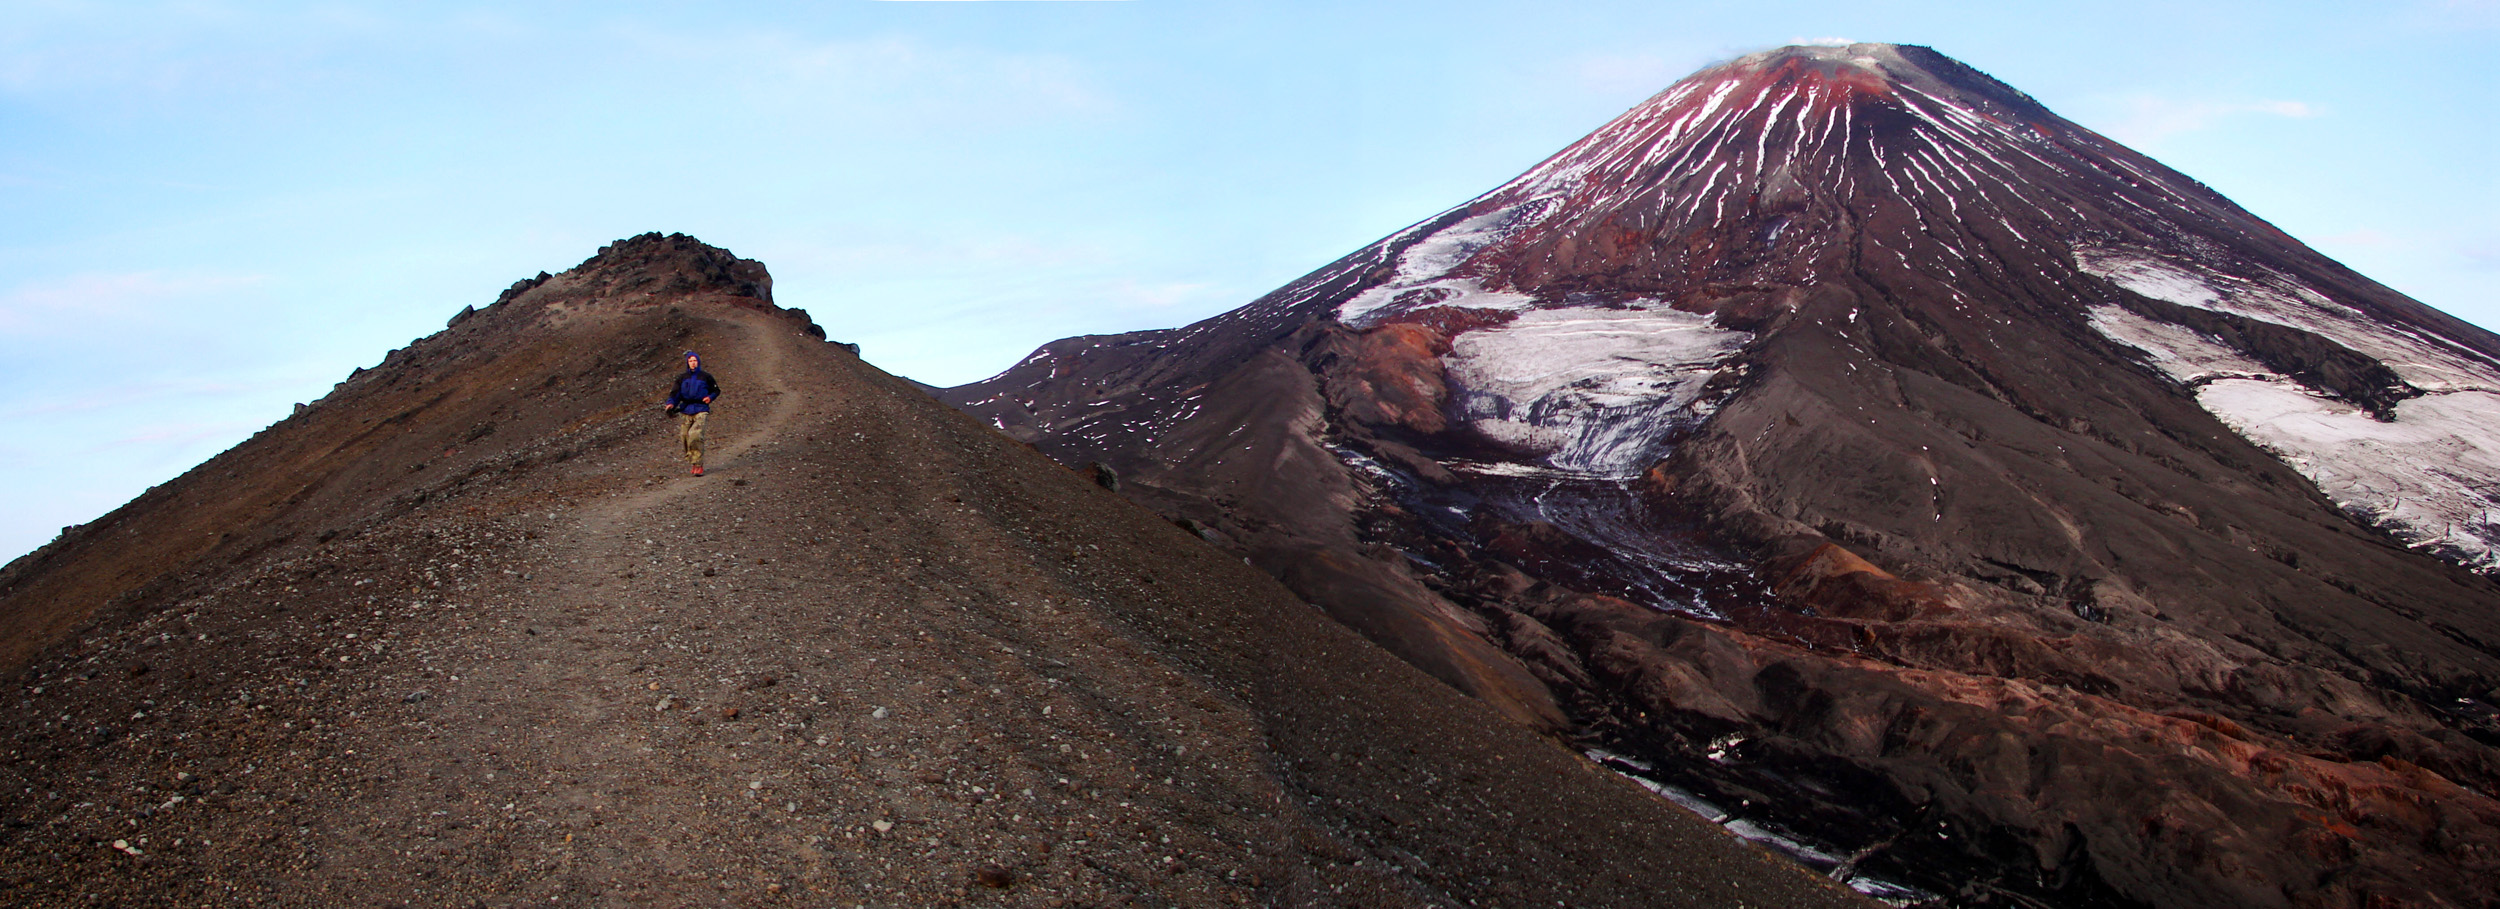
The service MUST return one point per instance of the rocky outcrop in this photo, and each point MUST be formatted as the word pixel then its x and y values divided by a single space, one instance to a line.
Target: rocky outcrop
pixel 651 266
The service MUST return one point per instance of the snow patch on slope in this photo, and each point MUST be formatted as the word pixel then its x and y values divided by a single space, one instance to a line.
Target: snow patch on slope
pixel 2425 361
pixel 1424 270
pixel 1595 391
pixel 2187 355
pixel 2430 477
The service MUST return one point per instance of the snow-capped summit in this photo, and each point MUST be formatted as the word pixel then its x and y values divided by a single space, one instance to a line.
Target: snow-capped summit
pixel 1807 165
pixel 1745 171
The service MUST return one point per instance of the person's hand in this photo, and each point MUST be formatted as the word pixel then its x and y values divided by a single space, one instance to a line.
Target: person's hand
pixel 707 400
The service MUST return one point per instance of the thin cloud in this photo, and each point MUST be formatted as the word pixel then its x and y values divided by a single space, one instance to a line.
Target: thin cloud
pixel 179 435
pixel 185 391
pixel 2481 255
pixel 54 305
pixel 894 75
pixel 2475 14
pixel 1159 295
pixel 167 50
pixel 2149 119
pixel 182 53
pixel 1624 73
pixel 2362 237
pixel 921 255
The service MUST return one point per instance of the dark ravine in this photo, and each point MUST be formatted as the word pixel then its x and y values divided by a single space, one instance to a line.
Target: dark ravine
pixel 464 633
pixel 1870 451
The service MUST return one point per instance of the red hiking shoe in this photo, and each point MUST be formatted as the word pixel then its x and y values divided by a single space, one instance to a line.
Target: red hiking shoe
pixel 698 470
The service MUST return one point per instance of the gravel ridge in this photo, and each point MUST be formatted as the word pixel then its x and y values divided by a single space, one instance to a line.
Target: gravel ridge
pixel 880 656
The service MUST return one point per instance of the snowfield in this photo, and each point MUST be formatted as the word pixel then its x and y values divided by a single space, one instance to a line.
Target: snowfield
pixel 1595 390
pixel 2428 363
pixel 2430 477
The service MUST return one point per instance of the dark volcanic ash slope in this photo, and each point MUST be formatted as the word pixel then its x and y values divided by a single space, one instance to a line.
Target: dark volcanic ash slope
pixel 1846 436
pixel 463 633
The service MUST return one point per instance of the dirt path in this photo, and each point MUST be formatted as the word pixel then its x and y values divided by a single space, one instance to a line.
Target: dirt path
pixel 582 736
pixel 775 682
pixel 732 432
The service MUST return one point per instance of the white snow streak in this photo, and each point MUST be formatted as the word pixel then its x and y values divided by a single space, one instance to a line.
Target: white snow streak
pixel 2427 362
pixel 1423 275
pixel 2183 353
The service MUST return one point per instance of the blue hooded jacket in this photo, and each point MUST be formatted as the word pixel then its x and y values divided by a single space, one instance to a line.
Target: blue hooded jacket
pixel 692 387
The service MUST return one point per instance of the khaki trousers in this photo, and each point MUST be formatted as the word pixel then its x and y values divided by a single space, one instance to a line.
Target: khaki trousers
pixel 690 432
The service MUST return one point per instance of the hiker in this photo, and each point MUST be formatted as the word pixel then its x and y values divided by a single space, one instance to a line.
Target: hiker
pixel 691 400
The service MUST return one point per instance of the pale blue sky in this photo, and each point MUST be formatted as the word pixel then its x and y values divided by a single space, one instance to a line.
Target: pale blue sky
pixel 210 211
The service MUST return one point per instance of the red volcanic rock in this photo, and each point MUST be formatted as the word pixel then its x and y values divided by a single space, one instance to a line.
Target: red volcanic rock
pixel 1396 379
pixel 1449 321
pixel 1834 581
pixel 1391 376
pixel 2192 802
